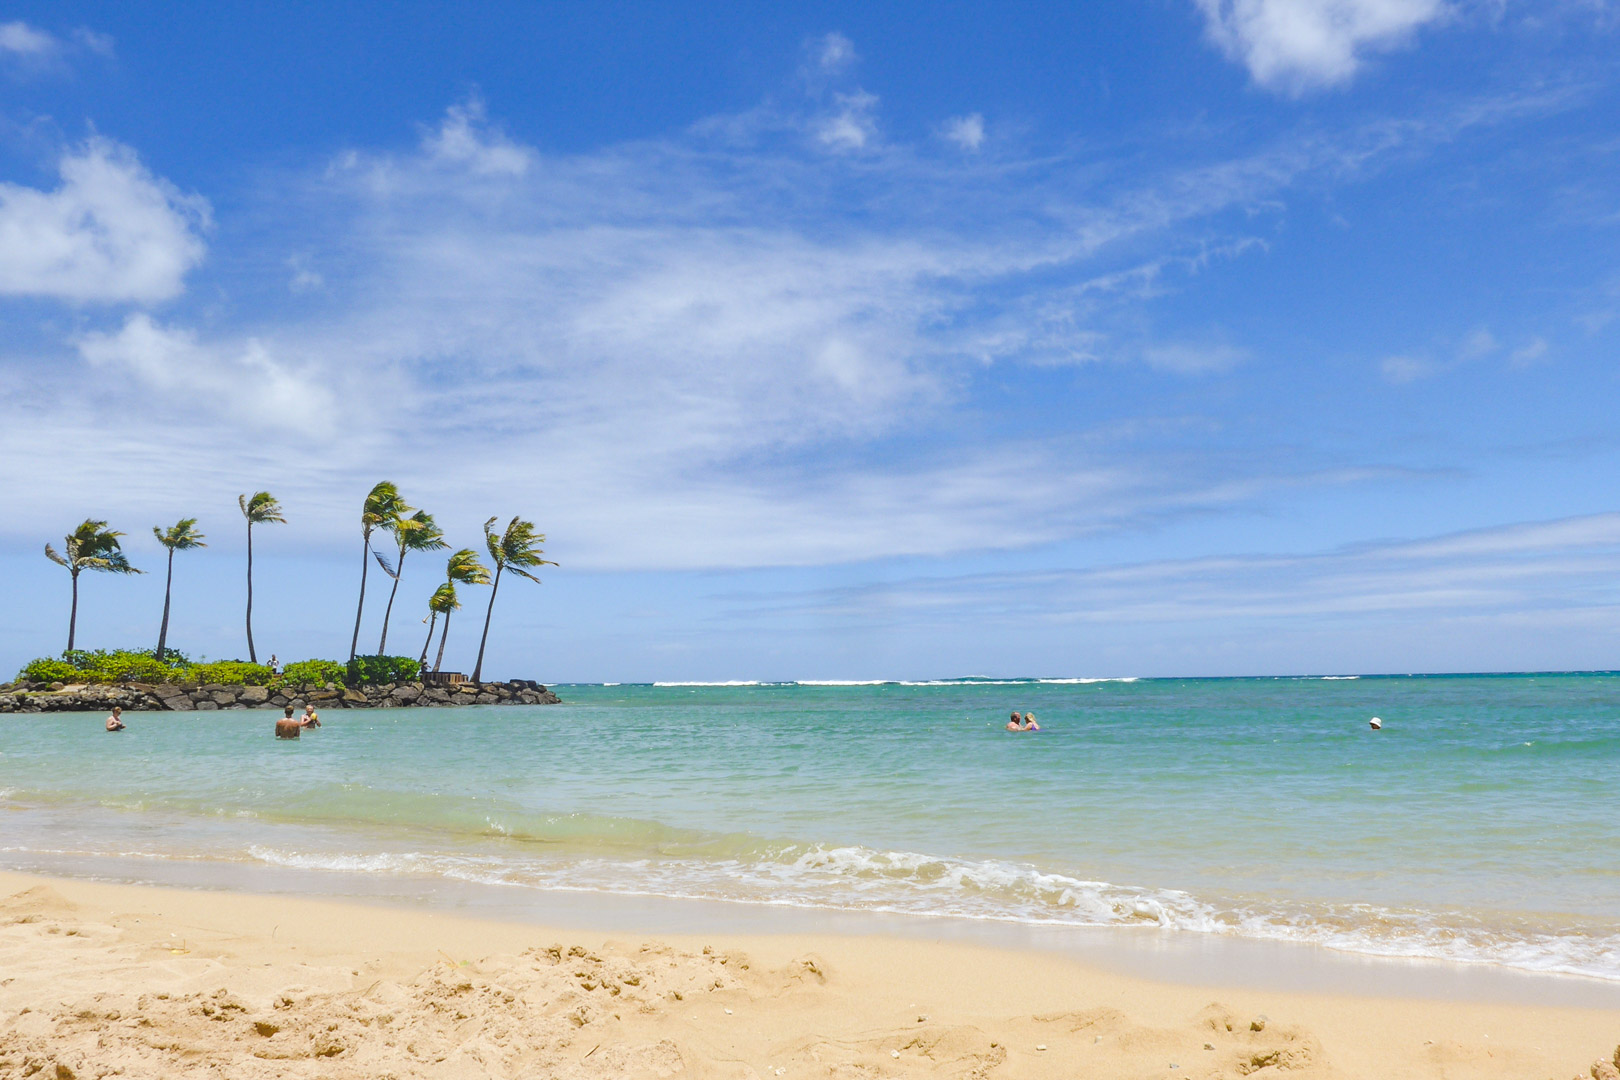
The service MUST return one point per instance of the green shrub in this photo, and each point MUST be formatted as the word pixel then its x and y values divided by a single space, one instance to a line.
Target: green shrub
pixel 382 669
pixel 47 670
pixel 314 672
pixel 230 673
pixel 125 665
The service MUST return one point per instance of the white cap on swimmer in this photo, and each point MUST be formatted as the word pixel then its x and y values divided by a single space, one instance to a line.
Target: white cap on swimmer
pixel 1376 724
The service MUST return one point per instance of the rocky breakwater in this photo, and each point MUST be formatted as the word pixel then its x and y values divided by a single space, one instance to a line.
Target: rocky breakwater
pixel 30 697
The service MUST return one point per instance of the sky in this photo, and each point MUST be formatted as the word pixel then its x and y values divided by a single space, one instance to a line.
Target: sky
pixel 827 341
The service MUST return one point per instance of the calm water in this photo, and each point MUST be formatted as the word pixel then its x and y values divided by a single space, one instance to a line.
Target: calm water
pixel 1482 824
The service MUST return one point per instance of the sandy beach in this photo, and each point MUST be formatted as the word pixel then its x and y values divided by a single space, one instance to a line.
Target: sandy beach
pixel 102 980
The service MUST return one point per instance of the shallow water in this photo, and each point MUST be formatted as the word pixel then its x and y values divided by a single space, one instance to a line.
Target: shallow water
pixel 1482 824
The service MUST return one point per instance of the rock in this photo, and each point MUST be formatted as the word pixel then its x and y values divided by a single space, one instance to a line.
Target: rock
pixel 180 704
pixel 351 696
pixel 254 695
pixel 206 706
pixel 223 697
pixel 1604 1070
pixel 486 699
pixel 278 700
pixel 406 693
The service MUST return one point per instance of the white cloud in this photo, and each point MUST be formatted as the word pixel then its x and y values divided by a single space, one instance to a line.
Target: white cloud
pixel 1185 359
pixel 1529 354
pixel 1296 45
pixel 851 125
pixel 966 132
pixel 691 352
pixel 111 232
pixel 465 139
pixel 28 50
pixel 833 53
pixel 246 378
pixel 1405 369
pixel 1522 573
pixel 20 39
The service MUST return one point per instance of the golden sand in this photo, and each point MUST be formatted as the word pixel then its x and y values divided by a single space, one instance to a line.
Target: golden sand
pixel 104 980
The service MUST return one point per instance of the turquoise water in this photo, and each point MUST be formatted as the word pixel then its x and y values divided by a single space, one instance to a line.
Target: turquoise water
pixel 1481 825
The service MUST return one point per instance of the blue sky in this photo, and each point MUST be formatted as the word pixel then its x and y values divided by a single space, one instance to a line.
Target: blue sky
pixel 830 341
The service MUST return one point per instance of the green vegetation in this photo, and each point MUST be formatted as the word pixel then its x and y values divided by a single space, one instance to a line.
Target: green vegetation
pixel 415 533
pixel 382 669
pixel 313 672
pixel 516 549
pixel 132 665
pixel 92 546
pixel 181 536
pixel 463 568
pixel 382 509
pixel 261 509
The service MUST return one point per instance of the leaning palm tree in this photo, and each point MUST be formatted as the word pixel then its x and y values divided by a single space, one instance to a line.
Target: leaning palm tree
pixel 259 509
pixel 92 546
pixel 415 533
pixel 463 568
pixel 442 602
pixel 518 547
pixel 383 507
pixel 181 536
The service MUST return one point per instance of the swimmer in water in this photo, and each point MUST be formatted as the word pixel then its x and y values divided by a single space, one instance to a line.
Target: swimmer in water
pixel 287 727
pixel 115 722
pixel 1016 723
pixel 1376 724
pixel 1029 722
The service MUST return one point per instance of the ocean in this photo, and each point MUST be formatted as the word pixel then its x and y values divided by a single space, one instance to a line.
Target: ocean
pixel 1481 825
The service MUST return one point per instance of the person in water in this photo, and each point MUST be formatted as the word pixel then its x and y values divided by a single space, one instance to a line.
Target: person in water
pixel 1029 723
pixel 1016 723
pixel 311 718
pixel 115 722
pixel 287 727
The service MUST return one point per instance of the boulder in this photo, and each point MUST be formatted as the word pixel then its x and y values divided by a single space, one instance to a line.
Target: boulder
pixel 351 696
pixel 486 699
pixel 254 695
pixel 206 706
pixel 406 694
pixel 223 697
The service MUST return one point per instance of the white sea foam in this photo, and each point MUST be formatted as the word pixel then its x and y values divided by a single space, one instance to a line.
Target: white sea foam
pixel 730 682
pixel 910 883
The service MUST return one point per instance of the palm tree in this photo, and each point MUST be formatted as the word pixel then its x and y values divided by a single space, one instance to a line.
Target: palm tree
pixel 260 509
pixel 518 547
pixel 442 602
pixel 383 507
pixel 415 533
pixel 92 546
pixel 463 568
pixel 180 536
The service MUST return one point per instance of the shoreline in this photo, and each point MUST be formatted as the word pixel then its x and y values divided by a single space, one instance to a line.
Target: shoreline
pixel 89 962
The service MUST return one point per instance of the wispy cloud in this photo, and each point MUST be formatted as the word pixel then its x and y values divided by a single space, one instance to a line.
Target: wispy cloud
pixel 1517 572
pixel 722 348
pixel 29 50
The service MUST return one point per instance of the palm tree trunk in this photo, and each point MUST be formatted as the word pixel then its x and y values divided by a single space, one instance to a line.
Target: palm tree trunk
pixel 478 668
pixel 365 564
pixel 399 568
pixel 73 614
pixel 253 657
pixel 438 660
pixel 433 621
pixel 168 584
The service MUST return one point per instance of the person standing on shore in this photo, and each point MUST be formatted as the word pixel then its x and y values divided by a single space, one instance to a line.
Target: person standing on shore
pixel 115 722
pixel 275 666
